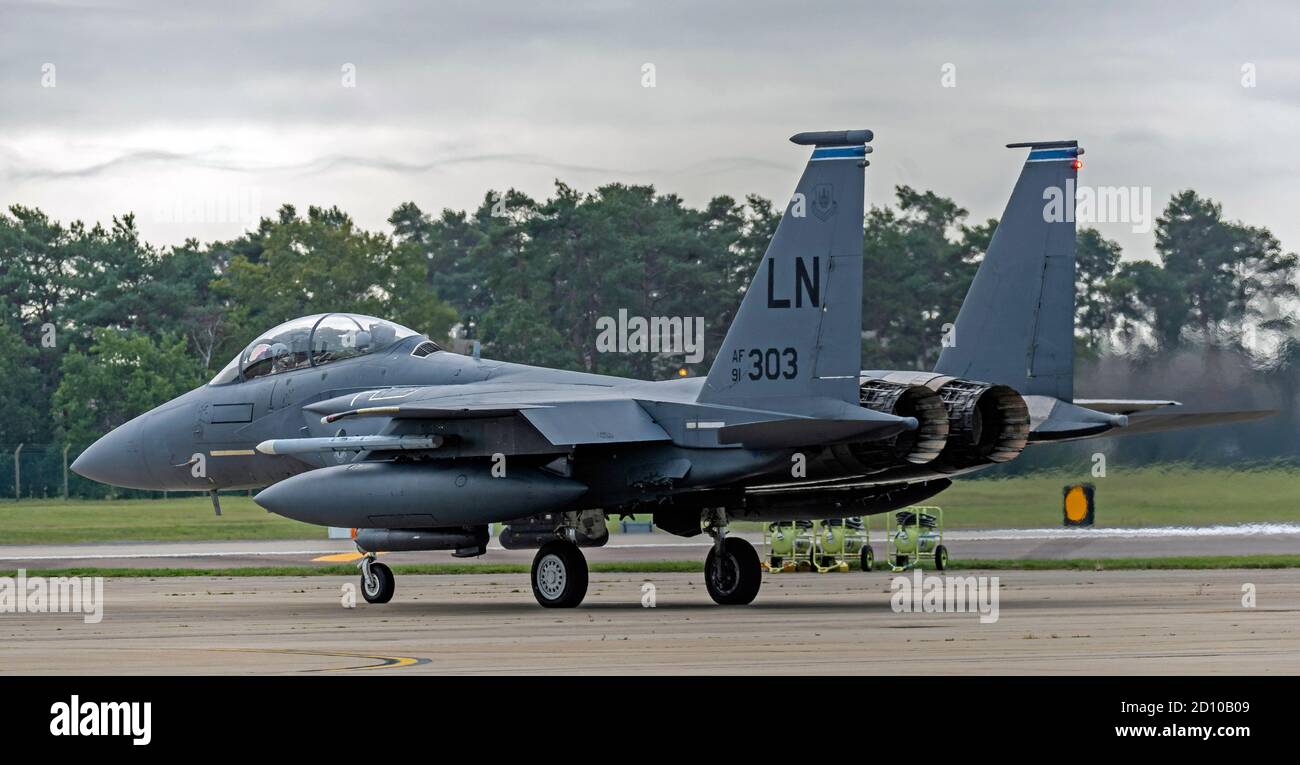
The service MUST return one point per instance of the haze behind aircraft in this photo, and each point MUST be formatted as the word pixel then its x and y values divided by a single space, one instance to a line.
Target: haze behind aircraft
pixel 355 422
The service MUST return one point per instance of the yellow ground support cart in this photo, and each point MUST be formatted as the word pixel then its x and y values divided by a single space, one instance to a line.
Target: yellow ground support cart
pixel 918 537
pixel 839 540
pixel 823 547
pixel 789 546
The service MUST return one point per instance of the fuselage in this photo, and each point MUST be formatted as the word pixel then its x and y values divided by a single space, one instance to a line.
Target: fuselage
pixel 206 439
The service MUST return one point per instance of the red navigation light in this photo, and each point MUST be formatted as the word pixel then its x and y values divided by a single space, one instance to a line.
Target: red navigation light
pixel 1078 163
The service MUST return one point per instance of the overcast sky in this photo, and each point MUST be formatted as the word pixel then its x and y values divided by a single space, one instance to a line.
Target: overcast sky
pixel 201 116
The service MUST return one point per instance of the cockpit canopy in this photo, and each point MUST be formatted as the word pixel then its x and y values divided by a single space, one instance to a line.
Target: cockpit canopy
pixel 310 342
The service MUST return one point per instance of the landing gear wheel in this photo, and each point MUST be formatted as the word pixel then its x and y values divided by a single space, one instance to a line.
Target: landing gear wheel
pixel 940 558
pixel 868 558
pixel 559 575
pixel 379 586
pixel 734 576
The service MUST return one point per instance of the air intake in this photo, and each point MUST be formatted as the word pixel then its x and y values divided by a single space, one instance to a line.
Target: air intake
pixel 425 348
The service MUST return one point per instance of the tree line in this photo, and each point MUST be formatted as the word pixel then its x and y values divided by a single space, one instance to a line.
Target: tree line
pixel 99 325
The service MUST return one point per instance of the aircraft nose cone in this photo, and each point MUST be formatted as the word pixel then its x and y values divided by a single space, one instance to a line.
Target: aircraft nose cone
pixel 116 459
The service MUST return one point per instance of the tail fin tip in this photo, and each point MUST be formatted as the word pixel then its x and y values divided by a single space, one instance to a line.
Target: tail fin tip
pixel 1044 145
pixel 832 138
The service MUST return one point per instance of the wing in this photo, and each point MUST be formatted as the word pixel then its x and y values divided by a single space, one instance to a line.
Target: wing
pixel 562 417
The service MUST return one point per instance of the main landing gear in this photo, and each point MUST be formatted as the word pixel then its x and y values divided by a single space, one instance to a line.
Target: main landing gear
pixel 377 581
pixel 559 575
pixel 732 571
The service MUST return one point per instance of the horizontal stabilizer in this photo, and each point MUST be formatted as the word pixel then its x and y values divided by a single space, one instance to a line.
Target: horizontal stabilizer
pixel 1156 422
pixel 1122 406
pixel 1055 420
pixel 1063 426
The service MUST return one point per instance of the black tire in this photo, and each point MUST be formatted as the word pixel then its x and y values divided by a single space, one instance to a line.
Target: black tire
pixel 868 558
pixel 776 561
pixel 940 558
pixel 733 578
pixel 900 561
pixel 559 575
pixel 382 585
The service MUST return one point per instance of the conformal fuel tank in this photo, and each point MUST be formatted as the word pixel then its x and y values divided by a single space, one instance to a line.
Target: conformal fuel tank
pixel 396 495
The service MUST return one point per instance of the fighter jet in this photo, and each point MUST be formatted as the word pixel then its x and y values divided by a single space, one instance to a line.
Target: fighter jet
pixel 355 422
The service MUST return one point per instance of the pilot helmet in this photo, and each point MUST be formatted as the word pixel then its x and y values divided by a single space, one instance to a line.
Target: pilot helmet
pixel 280 353
pixel 382 334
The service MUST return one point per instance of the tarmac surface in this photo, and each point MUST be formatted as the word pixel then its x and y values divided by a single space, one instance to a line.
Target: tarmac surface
pixel 1049 622
pixel 1248 539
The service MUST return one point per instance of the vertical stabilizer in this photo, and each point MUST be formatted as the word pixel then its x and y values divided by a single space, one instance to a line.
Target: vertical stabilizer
pixel 1016 325
pixel 797 337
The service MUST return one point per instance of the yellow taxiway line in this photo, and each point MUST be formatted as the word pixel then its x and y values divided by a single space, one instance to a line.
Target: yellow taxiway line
pixel 385 662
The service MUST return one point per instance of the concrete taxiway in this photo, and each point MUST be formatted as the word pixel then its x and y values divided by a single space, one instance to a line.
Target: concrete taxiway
pixel 1051 622
pixel 1015 544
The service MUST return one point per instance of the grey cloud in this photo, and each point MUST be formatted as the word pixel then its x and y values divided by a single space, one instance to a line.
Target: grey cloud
pixel 530 89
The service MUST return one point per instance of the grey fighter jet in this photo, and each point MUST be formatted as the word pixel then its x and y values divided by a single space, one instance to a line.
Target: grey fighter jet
pixel 351 421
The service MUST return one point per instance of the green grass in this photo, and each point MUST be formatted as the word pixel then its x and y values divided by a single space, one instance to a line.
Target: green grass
pixel 1174 496
pixel 189 518
pixel 690 566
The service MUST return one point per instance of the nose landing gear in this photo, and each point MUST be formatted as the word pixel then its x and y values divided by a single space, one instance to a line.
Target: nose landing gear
pixel 377 581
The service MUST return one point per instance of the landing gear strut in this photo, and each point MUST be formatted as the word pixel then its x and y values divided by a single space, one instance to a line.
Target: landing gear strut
pixel 377 581
pixel 559 575
pixel 732 571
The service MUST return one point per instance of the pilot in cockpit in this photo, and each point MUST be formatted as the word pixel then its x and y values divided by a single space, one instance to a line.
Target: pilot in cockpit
pixel 259 353
pixel 381 334
pixel 283 358
pixel 311 341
